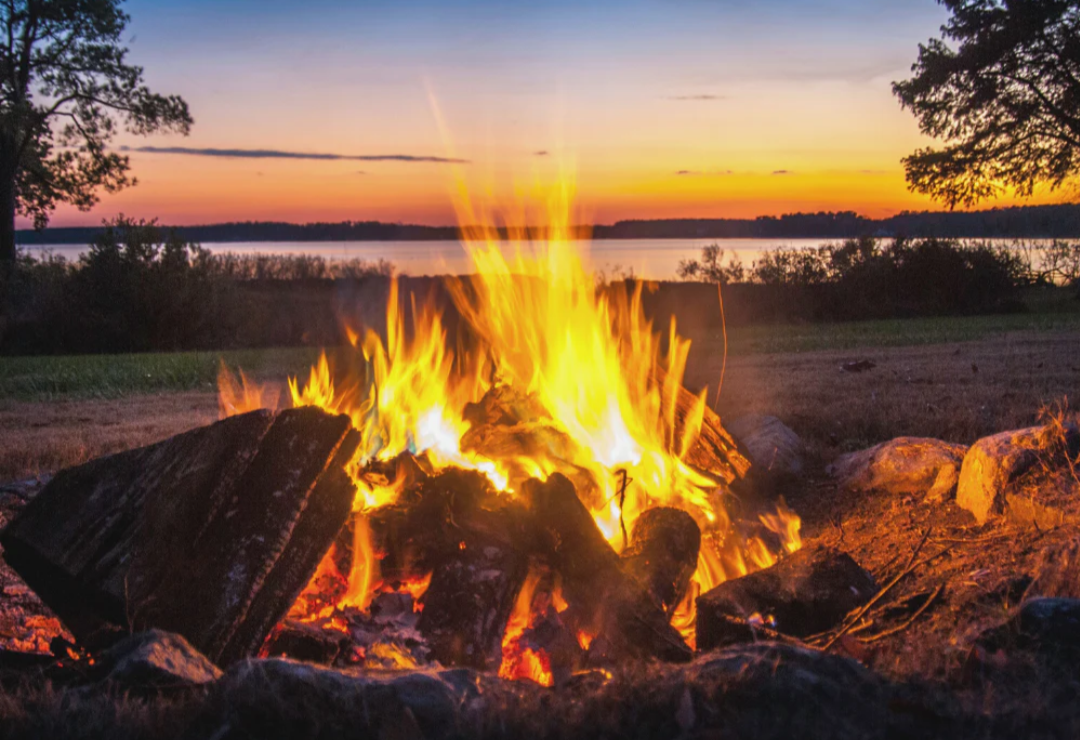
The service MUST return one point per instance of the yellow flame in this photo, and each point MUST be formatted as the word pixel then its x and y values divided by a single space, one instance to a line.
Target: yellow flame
pixel 601 388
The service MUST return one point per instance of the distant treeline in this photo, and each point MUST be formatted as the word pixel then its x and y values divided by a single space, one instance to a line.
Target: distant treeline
pixel 1028 222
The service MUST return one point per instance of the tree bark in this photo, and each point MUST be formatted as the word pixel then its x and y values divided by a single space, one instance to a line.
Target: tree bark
pixel 7 209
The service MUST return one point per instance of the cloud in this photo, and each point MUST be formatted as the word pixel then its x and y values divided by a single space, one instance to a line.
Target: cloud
pixel 781 172
pixel 704 172
pixel 279 154
pixel 697 97
pixel 541 153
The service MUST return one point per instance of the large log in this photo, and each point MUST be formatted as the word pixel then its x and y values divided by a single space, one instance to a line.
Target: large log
pixel 211 534
pixel 603 600
pixel 663 554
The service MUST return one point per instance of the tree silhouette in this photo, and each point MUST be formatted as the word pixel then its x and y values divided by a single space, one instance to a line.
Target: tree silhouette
pixel 65 87
pixel 1006 101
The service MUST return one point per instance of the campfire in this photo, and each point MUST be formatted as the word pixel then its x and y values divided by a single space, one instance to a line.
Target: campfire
pixel 554 398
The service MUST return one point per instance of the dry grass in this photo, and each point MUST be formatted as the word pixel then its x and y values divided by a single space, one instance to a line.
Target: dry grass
pixel 957 392
pixel 43 436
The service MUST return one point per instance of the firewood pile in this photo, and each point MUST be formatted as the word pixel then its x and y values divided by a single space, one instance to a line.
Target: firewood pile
pixel 241 537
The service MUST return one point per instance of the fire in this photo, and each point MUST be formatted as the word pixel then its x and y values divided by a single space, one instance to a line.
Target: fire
pixel 599 384
pixel 520 660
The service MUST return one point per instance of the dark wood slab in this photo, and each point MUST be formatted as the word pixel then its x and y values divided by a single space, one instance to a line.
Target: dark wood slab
pixel 211 534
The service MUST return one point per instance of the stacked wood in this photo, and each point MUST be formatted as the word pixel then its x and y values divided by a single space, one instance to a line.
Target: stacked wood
pixel 663 554
pixel 211 534
pixel 603 600
pixel 481 559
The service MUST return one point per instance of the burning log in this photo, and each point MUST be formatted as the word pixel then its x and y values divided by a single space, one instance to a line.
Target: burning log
pixel 475 544
pixel 211 534
pixel 663 554
pixel 603 600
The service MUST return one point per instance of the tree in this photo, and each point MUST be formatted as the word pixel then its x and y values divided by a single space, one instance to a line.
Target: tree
pixel 65 88
pixel 1006 101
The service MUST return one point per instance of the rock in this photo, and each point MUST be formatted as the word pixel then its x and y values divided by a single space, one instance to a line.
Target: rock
pixel 773 447
pixel 283 698
pixel 1047 625
pixel 902 466
pixel 805 593
pixel 808 693
pixel 157 660
pixel 994 462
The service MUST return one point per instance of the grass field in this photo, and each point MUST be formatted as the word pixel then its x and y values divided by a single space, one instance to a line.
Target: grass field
pixel 47 378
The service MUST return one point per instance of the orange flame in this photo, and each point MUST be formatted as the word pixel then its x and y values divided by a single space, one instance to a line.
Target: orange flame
pixel 595 376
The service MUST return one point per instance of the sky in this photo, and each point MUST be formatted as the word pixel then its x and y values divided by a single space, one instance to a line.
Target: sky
pixel 659 108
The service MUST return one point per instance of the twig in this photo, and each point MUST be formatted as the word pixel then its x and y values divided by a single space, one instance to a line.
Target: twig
pixel 622 502
pixel 723 326
pixel 911 620
pixel 849 623
pixel 973 540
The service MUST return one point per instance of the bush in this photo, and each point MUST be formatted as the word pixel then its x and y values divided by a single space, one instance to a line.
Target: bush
pixel 870 278
pixel 139 288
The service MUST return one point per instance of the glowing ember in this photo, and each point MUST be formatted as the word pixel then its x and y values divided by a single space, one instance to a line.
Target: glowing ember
pixel 595 388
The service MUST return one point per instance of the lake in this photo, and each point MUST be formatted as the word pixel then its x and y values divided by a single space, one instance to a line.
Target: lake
pixel 656 259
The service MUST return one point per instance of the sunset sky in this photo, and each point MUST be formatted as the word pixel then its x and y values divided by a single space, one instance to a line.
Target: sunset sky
pixel 662 108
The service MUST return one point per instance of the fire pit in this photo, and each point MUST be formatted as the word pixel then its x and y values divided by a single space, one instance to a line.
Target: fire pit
pixel 533 496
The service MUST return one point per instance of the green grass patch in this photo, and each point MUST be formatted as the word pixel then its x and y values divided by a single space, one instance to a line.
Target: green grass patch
pixel 114 376
pixel 779 339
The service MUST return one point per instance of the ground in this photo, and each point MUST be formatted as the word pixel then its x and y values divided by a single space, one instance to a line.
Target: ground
pixel 955 379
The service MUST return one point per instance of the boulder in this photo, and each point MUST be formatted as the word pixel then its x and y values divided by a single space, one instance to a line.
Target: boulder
pixel 156 660
pixel 805 593
pixel 995 462
pixel 283 698
pixel 1047 625
pixel 902 466
pixel 772 446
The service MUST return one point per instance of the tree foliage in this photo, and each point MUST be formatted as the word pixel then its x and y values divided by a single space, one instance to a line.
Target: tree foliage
pixel 66 89
pixel 1005 101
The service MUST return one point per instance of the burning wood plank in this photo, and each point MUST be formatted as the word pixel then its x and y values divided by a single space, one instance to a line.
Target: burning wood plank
pixel 603 600
pixel 211 534
pixel 663 554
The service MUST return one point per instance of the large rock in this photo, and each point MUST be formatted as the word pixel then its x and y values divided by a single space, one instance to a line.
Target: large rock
pixel 902 466
pixel 158 660
pixel 282 698
pixel 772 446
pixel 994 463
pixel 805 593
pixel 1049 626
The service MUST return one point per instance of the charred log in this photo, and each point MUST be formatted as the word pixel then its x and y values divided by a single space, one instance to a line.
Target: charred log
pixel 211 534
pixel 475 544
pixel 603 600
pixel 663 554
pixel 805 593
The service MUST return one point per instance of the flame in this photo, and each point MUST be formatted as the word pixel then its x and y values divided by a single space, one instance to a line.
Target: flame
pixel 587 374
pixel 518 659
pixel 238 394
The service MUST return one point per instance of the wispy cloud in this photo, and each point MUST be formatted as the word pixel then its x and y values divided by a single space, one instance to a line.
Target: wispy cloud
pixel 541 153
pixel 279 154
pixel 781 172
pixel 697 97
pixel 703 172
